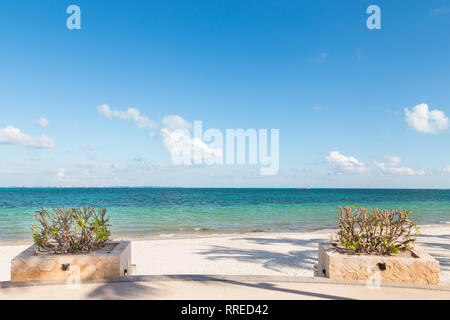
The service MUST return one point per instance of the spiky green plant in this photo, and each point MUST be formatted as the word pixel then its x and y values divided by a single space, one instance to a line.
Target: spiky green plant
pixel 373 231
pixel 71 230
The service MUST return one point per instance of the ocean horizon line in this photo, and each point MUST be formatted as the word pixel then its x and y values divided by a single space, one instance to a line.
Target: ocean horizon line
pixel 178 187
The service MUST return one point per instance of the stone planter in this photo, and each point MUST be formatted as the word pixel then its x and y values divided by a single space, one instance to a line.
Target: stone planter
pixel 111 261
pixel 414 266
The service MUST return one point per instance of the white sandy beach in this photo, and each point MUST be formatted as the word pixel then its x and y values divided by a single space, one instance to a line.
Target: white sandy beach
pixel 284 254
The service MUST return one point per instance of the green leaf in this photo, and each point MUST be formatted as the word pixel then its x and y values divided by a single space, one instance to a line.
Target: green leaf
pixel 393 249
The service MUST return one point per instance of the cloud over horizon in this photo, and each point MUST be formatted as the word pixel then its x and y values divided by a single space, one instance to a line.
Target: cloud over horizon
pixel 177 139
pixel 175 133
pixel 13 136
pixel 391 167
pixel 345 164
pixel 174 122
pixel 424 120
pixel 133 114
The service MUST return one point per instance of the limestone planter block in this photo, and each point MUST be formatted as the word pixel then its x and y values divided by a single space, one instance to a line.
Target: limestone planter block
pixel 417 267
pixel 112 261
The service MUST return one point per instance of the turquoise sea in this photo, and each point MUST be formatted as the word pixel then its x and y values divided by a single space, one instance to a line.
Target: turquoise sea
pixel 144 212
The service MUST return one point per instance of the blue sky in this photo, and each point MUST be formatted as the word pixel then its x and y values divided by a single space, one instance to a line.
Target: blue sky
pixel 336 90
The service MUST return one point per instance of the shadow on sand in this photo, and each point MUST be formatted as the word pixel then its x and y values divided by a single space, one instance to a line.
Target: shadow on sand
pixel 305 258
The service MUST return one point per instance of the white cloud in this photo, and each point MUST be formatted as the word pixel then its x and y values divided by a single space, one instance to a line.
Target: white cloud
pixel 42 122
pixel 177 139
pixel 345 164
pixel 174 122
pixel 13 136
pixel 175 132
pixel 133 114
pixel 424 120
pixel 60 175
pixel 446 169
pixel 391 166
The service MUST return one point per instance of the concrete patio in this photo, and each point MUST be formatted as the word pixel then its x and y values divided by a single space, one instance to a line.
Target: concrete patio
pixel 197 287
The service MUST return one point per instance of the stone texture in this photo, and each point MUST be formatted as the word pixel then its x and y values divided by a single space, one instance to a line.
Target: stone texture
pixel 88 271
pixel 108 262
pixel 47 265
pixel 418 268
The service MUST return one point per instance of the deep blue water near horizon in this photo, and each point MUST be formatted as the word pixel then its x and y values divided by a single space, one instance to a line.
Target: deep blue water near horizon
pixel 143 212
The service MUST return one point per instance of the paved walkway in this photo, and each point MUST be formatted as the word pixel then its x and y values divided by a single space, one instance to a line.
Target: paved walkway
pixel 221 287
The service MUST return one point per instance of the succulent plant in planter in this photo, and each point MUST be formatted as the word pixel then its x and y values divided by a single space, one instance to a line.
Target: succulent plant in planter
pixel 72 244
pixel 374 231
pixel 71 230
pixel 376 246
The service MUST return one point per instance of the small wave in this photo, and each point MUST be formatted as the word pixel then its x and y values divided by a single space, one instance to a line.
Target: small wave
pixel 203 229
pixel 167 235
